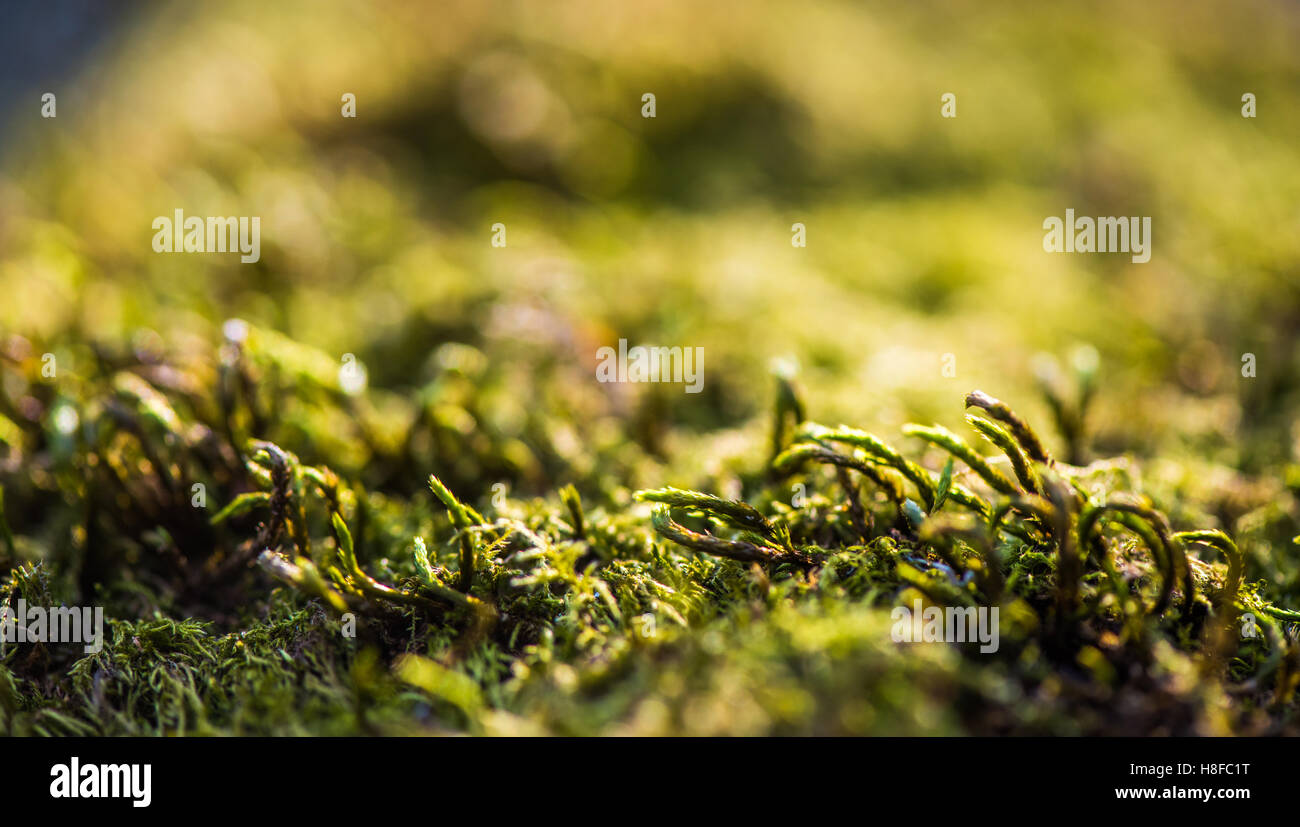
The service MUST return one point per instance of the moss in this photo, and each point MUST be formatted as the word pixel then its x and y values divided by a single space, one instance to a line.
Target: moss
pixel 387 610
pixel 451 539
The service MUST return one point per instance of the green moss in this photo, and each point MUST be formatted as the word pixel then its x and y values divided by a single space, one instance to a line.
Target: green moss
pixel 458 546
pixel 546 615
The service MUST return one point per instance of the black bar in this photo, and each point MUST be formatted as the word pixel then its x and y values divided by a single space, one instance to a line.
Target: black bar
pixel 416 776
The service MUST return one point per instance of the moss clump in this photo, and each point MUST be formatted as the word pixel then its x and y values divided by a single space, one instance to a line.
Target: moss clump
pixel 252 590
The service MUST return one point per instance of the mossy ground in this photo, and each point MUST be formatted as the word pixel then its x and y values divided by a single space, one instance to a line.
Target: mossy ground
pixel 577 617
pixel 591 610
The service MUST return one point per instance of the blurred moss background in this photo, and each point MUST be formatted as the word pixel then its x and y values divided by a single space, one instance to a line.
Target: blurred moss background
pixel 924 234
